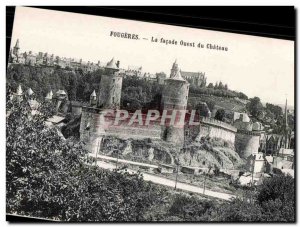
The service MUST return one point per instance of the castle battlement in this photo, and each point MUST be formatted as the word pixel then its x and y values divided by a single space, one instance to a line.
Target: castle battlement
pixel 250 133
pixel 216 123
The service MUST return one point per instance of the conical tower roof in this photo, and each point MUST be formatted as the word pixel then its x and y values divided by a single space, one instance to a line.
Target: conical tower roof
pixel 29 91
pixel 17 44
pixel 177 76
pixel 112 64
pixel 19 90
pixel 93 94
pixel 51 93
pixel 61 92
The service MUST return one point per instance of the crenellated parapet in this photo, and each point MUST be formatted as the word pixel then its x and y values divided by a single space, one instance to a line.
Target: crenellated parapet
pixel 250 133
pixel 216 123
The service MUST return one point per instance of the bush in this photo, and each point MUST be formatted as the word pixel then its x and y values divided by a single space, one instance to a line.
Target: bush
pixel 190 208
pixel 238 211
pixel 277 197
pixel 274 201
pixel 49 177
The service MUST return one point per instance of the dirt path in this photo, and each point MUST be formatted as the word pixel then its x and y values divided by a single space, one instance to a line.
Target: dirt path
pixel 163 181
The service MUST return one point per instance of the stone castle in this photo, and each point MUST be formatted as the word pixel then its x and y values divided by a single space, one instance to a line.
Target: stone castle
pixel 247 137
pixel 174 97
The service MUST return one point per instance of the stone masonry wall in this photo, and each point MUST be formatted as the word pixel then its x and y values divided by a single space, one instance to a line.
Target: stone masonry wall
pixel 110 91
pixel 246 143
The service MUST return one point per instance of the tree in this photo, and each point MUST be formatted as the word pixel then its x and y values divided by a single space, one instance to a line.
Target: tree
pixel 190 208
pixel 277 197
pixel 237 210
pixel 276 110
pixel 220 115
pixel 50 177
pixel 210 85
pixel 211 105
pixel 255 107
pixel 220 86
pixel 241 95
pixel 216 85
pixel 203 109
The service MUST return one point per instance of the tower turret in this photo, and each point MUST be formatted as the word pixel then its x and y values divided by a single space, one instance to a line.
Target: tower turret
pixel 174 69
pixel 93 99
pixel 174 99
pixel 16 48
pixel 19 93
pixel 49 95
pixel 110 87
pixel 29 93
pixel 16 52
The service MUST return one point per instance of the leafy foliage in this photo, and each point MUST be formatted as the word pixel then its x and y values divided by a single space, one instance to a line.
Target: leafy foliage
pixel 255 107
pixel 238 211
pixel 191 208
pixel 274 109
pixel 277 198
pixel 217 90
pixel 261 205
pixel 41 80
pixel 220 115
pixel 72 128
pixel 50 177
pixel 140 94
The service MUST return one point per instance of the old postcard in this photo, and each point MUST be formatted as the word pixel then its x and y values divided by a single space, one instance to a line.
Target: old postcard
pixel 114 120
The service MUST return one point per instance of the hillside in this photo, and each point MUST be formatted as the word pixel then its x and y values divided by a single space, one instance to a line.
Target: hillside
pixel 230 104
pixel 216 153
pixel 136 93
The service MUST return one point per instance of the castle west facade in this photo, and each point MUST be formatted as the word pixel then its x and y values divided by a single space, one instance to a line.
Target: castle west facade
pixel 104 107
pixel 174 98
pixel 247 137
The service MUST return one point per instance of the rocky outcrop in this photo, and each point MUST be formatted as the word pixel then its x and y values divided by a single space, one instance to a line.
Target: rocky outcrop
pixel 202 154
pixel 144 150
pixel 220 157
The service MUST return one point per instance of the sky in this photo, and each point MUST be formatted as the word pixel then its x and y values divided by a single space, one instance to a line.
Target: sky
pixel 256 66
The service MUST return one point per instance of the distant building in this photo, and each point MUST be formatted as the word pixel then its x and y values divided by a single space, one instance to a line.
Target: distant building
pixel 149 77
pixel 49 60
pixel 160 78
pixel 241 116
pixel 197 79
pixel 134 71
pixel 286 154
pixel 30 59
pixel 242 121
pixel 257 126
pixel 256 163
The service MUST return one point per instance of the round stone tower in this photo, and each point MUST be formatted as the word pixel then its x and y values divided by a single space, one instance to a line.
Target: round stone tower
pixel 247 143
pixel 93 124
pixel 29 94
pixel 110 87
pixel 19 93
pixel 93 99
pixel 174 99
pixel 92 128
pixel 49 95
